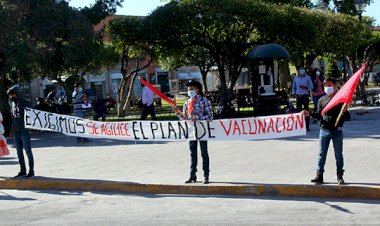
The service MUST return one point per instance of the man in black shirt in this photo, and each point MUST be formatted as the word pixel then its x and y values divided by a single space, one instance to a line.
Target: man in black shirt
pixel 330 129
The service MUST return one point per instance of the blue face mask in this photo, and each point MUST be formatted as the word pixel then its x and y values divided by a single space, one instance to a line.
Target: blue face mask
pixel 302 71
pixel 191 93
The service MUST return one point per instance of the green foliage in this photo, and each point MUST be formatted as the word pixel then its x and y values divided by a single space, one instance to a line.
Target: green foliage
pixel 101 9
pixel 300 3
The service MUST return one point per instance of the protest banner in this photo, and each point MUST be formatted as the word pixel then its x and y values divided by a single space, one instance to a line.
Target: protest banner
pixel 253 128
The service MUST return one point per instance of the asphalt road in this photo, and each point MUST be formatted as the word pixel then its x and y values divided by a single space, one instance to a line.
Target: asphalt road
pixel 83 208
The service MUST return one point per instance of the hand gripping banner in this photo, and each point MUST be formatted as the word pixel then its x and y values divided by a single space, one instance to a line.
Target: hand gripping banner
pixel 253 128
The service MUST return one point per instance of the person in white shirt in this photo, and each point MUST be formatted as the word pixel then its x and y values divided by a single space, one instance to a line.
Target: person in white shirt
pixel 147 103
pixel 302 85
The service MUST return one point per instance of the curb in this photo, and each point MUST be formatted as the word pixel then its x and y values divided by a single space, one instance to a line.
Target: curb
pixel 310 191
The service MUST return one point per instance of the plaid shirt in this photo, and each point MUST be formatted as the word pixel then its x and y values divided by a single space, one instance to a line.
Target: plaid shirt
pixel 202 109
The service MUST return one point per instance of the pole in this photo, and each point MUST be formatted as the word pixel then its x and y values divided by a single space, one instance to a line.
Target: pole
pixel 340 114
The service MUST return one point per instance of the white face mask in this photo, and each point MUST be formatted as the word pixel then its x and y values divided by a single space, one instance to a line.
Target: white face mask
pixel 191 93
pixel 80 89
pixel 329 90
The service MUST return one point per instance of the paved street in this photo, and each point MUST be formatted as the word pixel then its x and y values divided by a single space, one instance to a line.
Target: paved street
pixel 84 208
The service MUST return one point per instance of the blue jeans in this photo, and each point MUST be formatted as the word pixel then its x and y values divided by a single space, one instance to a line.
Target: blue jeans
pixel 193 144
pixel 22 141
pixel 324 140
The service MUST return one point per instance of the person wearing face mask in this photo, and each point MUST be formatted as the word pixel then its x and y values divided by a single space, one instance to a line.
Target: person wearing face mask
pixel 21 135
pixel 301 87
pixel 147 103
pixel 197 108
pixel 330 129
pixel 79 101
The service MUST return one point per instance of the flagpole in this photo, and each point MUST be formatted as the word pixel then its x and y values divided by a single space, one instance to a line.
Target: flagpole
pixel 340 114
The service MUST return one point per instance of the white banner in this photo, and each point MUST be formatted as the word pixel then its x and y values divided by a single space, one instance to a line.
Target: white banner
pixel 253 128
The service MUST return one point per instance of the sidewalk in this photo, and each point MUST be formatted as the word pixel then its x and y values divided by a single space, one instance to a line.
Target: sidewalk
pixel 268 167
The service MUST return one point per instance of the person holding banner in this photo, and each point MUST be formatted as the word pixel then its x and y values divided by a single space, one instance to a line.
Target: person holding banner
pixel 330 129
pixel 21 135
pixel 302 85
pixel 197 108
pixel 80 104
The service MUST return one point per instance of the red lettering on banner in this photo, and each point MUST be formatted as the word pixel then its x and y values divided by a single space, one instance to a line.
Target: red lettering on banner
pixel 236 127
pixel 300 120
pixel 242 125
pixel 250 127
pixel 119 127
pixel 262 126
pixel 290 127
pixel 277 128
pixel 92 125
pixel 225 130
pixel 271 125
pixel 126 130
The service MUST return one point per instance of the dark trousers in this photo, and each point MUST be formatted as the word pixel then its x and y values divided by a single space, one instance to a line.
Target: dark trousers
pixel 148 110
pixel 303 100
pixel 98 115
pixel 193 144
pixel 22 141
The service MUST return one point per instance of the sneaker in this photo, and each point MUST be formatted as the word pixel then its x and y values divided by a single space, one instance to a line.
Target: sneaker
pixel 318 179
pixel 30 174
pixel 340 179
pixel 20 174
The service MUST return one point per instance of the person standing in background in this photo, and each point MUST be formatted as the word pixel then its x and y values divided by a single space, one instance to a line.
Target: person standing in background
pixel 147 103
pixel 317 91
pixel 301 87
pixel 80 100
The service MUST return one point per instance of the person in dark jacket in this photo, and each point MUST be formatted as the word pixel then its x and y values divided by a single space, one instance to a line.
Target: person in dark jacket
pixel 20 133
pixel 100 109
pixel 330 129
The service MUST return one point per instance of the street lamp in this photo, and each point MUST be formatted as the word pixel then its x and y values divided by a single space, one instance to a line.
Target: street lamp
pixel 360 7
pixel 339 6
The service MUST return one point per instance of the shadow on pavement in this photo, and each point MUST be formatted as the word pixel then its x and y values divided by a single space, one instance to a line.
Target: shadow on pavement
pixel 6 197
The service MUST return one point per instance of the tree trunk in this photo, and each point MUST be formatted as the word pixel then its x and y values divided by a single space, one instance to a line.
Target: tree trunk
pixel 121 96
pixel 284 73
pixel 204 79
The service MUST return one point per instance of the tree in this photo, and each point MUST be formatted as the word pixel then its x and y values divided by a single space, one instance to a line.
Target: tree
pixel 100 10
pixel 129 39
pixel 224 28
pixel 228 29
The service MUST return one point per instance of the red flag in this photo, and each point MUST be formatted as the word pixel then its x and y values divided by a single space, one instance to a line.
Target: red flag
pixel 345 94
pixel 157 92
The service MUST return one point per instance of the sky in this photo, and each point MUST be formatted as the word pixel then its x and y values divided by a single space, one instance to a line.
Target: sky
pixel 144 7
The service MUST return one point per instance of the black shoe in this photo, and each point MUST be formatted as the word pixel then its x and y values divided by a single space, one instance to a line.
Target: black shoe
pixel 340 179
pixel 30 174
pixel 206 181
pixel 20 174
pixel 318 179
pixel 191 179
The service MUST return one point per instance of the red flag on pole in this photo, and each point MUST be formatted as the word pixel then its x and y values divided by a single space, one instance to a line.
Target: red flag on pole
pixel 345 94
pixel 157 92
